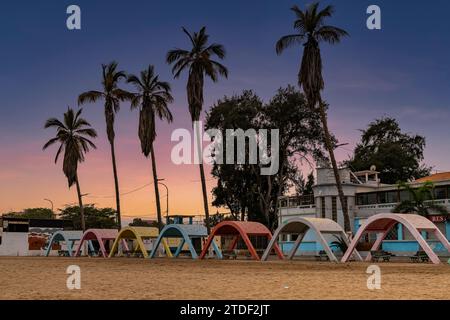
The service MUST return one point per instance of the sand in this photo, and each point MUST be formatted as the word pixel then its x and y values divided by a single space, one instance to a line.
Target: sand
pixel 133 278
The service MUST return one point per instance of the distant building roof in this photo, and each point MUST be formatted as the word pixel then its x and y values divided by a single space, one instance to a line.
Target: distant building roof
pixel 442 176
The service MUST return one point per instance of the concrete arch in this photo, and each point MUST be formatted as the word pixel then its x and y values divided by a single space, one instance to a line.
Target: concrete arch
pixel 135 233
pixel 187 233
pixel 242 229
pixel 69 237
pixel 101 235
pixel 301 225
pixel 382 223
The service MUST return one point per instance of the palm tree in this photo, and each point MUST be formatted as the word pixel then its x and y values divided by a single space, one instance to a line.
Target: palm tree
pixel 152 99
pixel 310 31
pixel 112 95
pixel 73 135
pixel 199 64
pixel 421 200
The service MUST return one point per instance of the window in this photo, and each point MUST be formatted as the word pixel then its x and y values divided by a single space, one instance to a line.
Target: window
pixel 387 197
pixel 363 199
pixel 404 195
pixel 334 208
pixel 440 193
pixel 294 202
pixel 322 206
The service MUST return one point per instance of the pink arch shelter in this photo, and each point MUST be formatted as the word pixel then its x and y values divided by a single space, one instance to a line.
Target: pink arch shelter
pixel 382 223
pixel 101 235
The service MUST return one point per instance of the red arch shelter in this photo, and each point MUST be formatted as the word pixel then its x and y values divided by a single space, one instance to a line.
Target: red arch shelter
pixel 241 229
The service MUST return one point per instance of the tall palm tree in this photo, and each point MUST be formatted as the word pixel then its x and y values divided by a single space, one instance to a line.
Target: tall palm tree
pixel 310 31
pixel 198 61
pixel 421 200
pixel 73 135
pixel 112 95
pixel 152 99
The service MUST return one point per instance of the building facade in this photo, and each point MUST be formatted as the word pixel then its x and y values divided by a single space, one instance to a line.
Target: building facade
pixel 365 195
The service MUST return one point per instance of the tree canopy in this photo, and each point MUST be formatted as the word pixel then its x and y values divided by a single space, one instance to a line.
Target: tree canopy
pixel 32 213
pixel 100 218
pixel 240 187
pixel 396 154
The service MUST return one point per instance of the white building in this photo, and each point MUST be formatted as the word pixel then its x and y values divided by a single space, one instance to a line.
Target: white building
pixel 365 195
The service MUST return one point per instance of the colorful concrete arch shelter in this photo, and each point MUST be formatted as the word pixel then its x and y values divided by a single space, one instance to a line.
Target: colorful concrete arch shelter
pixel 69 237
pixel 101 235
pixel 301 226
pixel 138 234
pixel 382 223
pixel 241 230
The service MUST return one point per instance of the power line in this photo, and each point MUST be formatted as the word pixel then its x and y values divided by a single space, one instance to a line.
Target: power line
pixel 123 194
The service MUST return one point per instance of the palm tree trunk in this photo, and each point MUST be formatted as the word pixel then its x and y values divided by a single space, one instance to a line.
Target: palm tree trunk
pixel 202 175
pixel 116 184
pixel 328 144
pixel 205 197
pixel 155 183
pixel 80 203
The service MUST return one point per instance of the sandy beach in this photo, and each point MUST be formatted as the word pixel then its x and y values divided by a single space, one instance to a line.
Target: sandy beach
pixel 131 278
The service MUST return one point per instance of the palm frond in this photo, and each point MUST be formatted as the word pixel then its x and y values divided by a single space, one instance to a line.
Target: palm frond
pixel 89 96
pixel 330 34
pixel 287 41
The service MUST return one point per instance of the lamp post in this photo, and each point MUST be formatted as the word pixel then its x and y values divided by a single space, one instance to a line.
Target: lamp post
pixel 167 198
pixel 51 203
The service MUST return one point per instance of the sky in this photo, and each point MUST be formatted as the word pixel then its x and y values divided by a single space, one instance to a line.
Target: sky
pixel 401 71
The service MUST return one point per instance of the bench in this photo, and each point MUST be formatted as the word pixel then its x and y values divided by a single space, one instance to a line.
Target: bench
pixel 381 255
pixel 420 256
pixel 63 253
pixel 322 256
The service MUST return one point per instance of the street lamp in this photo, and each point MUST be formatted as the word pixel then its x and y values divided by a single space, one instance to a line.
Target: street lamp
pixel 51 203
pixel 167 198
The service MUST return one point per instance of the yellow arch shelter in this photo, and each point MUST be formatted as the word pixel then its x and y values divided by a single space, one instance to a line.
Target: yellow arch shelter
pixel 138 234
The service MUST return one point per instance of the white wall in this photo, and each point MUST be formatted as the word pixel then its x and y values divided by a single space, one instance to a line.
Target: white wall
pixel 14 244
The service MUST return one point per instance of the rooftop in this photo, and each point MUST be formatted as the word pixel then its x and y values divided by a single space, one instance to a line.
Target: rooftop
pixel 442 176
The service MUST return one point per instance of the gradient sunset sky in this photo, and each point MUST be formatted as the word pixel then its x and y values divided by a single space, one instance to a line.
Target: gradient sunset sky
pixel 402 71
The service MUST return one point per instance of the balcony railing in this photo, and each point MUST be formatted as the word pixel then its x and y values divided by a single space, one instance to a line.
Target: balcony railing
pixel 302 202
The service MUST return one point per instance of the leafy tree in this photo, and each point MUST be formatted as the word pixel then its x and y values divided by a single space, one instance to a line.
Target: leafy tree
pixel 32 213
pixel 198 61
pixel 111 95
pixel 397 155
pixel 99 218
pixel 73 135
pixel 421 200
pixel 303 187
pixel 152 100
pixel 235 183
pixel 241 187
pixel 138 222
pixel 310 31
pixel 217 218
pixel 339 244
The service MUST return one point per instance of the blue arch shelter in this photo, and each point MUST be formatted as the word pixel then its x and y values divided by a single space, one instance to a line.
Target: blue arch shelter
pixel 187 233
pixel 69 237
